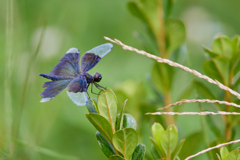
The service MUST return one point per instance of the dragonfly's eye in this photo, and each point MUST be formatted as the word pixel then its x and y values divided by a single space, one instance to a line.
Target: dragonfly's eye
pixel 97 77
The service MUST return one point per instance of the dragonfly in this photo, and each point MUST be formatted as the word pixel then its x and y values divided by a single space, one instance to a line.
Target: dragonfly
pixel 67 74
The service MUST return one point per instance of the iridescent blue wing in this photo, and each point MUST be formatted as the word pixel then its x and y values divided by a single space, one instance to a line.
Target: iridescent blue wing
pixel 77 89
pixel 69 64
pixel 93 56
pixel 53 89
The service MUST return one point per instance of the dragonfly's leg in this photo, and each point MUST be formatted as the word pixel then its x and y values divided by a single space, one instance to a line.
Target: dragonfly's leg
pixel 99 87
pixel 92 89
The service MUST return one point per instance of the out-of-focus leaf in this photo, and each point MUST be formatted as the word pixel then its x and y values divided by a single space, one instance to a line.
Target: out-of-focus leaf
pixel 107 106
pixel 168 5
pixel 155 153
pixel 147 11
pixel 160 151
pixel 101 124
pixel 105 146
pixel 222 45
pixel 193 140
pixel 219 158
pixel 119 121
pixel 235 44
pixel 139 152
pixel 223 66
pixel 162 76
pixel 90 106
pixel 169 139
pixel 178 149
pixel 210 52
pixel 175 33
pixel 224 152
pixel 125 141
pixel 212 71
pixel 234 155
pixel 116 158
pixel 129 121
pixel 213 126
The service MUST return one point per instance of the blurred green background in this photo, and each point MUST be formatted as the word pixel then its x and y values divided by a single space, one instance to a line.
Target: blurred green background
pixel 59 129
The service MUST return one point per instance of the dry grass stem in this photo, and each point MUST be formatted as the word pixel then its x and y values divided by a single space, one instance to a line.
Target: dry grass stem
pixel 194 113
pixel 200 100
pixel 211 148
pixel 174 64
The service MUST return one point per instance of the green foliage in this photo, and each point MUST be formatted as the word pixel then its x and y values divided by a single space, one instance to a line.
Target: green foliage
pixel 165 142
pixel 226 155
pixel 117 140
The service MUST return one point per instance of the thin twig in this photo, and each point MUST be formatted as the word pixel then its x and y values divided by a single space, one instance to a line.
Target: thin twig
pixel 200 100
pixel 174 64
pixel 194 113
pixel 211 148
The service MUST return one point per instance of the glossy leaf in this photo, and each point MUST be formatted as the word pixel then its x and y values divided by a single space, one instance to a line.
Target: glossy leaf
pixel 194 140
pixel 176 34
pixel 169 139
pixel 101 124
pixel 162 76
pixel 129 121
pixel 234 155
pixel 224 152
pixel 125 141
pixel 116 158
pixel 119 121
pixel 157 131
pixel 139 152
pixel 178 149
pixel 107 106
pixel 105 145
pixel 90 106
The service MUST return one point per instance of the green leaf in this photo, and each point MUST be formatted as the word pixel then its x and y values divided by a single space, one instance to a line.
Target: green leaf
pixel 147 11
pixel 139 152
pixel 160 150
pixel 119 121
pixel 175 33
pixel 210 52
pixel 223 66
pixel 223 46
pixel 212 71
pixel 155 152
pixel 219 158
pixel 203 90
pixel 105 146
pixel 234 155
pixel 178 148
pixel 129 121
pixel 90 106
pixel 107 106
pixel 125 141
pixel 101 124
pixel 162 76
pixel 224 152
pixel 213 126
pixel 194 140
pixel 116 158
pixel 169 139
pixel 157 131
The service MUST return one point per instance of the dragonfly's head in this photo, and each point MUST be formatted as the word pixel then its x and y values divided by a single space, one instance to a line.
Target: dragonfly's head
pixel 97 77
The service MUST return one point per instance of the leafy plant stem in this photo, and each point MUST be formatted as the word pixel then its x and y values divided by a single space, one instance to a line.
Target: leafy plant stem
pixel 210 155
pixel 167 101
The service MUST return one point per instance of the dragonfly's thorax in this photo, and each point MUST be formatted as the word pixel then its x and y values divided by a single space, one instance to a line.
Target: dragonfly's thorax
pixel 89 78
